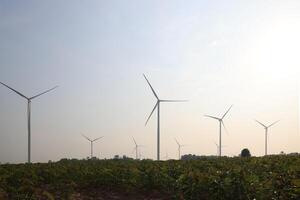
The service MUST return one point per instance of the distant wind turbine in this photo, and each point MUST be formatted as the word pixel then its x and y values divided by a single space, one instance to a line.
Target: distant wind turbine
pixel 218 148
pixel 28 113
pixel 179 148
pixel 92 143
pixel 157 105
pixel 221 123
pixel 136 149
pixel 266 134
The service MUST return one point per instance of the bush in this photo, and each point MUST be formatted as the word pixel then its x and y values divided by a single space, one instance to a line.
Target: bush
pixel 245 153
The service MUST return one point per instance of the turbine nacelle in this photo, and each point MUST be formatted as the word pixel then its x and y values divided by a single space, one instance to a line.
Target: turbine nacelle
pixel 158 100
pixel 28 98
pixel 91 139
pixel 265 126
pixel 137 145
pixel 179 145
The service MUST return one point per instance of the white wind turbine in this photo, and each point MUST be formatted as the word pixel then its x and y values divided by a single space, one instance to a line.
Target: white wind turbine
pixel 266 134
pixel 218 149
pixel 29 99
pixel 157 105
pixel 91 143
pixel 221 123
pixel 136 149
pixel 179 148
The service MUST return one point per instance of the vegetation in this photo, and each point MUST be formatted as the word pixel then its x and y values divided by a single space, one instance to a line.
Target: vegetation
pixel 271 177
pixel 194 157
pixel 245 153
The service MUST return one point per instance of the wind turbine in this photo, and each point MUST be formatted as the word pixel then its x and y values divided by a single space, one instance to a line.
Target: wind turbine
pixel 92 143
pixel 29 99
pixel 179 148
pixel 221 123
pixel 266 134
pixel 218 147
pixel 136 149
pixel 157 105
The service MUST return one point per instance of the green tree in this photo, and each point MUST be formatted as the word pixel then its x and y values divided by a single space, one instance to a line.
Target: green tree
pixel 245 153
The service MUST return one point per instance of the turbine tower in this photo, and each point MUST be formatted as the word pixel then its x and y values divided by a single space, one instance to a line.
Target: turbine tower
pixel 136 149
pixel 92 143
pixel 221 123
pixel 29 99
pixel 157 105
pixel 179 148
pixel 266 134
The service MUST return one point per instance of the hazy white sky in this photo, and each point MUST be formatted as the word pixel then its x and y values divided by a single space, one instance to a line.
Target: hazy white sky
pixel 214 53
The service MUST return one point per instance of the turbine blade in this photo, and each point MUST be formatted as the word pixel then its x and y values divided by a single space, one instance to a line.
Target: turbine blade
pixel 86 138
pixel 173 100
pixel 97 138
pixel 227 112
pixel 151 87
pixel 176 141
pixel 273 123
pixel 212 117
pixel 19 93
pixel 226 131
pixel 43 93
pixel 261 123
pixel 152 112
pixel 216 144
pixel 134 141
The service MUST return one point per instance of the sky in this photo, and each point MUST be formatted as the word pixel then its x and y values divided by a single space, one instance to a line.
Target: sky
pixel 213 53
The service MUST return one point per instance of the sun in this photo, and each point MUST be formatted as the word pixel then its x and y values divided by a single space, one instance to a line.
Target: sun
pixel 274 50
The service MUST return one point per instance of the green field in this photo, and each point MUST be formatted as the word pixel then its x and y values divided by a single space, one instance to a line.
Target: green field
pixel 272 177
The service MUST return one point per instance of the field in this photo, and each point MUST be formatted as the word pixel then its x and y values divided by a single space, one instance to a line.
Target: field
pixel 272 177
